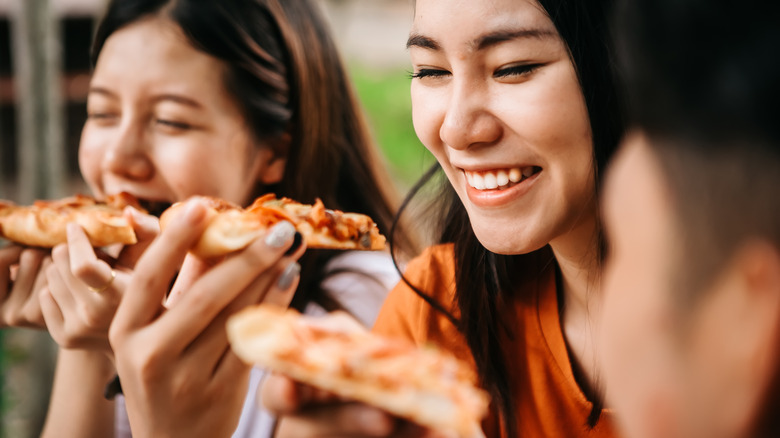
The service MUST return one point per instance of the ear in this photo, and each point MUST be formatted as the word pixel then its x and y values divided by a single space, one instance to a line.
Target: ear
pixel 270 163
pixel 273 171
pixel 749 301
pixel 758 263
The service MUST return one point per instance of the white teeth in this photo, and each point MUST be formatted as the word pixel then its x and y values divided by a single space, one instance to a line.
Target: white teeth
pixel 478 182
pixel 469 178
pixel 502 178
pixel 515 175
pixel 490 181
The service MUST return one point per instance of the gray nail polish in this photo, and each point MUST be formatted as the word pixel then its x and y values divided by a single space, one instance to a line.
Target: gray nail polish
pixel 289 275
pixel 280 234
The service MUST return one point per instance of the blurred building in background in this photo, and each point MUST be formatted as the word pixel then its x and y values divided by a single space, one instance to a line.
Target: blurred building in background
pixel 44 78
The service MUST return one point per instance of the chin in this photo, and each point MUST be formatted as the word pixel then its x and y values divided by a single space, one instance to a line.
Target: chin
pixel 505 243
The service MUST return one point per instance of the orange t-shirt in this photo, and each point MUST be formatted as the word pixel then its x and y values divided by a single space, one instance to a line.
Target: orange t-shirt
pixel 548 400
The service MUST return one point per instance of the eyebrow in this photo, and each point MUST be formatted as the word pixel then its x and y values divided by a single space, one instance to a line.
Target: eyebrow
pixel 179 99
pixel 103 91
pixel 484 41
pixel 171 97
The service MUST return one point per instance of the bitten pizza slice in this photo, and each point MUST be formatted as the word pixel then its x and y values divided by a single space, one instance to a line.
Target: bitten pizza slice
pixel 231 228
pixel 44 222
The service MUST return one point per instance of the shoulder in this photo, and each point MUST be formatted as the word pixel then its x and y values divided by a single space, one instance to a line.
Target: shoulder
pixel 405 313
pixel 434 271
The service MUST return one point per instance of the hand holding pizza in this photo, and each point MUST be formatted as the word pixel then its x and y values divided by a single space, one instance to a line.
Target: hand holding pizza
pixel 84 289
pixel 304 411
pixel 177 370
pixel 21 278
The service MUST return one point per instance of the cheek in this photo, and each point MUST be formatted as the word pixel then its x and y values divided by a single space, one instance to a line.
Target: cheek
pixel 427 118
pixel 91 154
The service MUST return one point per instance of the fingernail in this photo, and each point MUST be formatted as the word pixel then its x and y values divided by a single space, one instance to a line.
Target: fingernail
pixel 289 275
pixel 297 240
pixel 280 234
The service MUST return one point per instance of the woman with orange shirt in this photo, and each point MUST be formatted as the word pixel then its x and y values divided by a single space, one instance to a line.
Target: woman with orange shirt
pixel 517 101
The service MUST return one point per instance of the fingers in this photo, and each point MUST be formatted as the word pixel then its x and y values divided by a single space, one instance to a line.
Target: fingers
pixel 81 259
pixel 192 269
pixel 157 267
pixel 146 227
pixel 23 287
pixel 209 346
pixel 338 419
pixel 217 288
pixel 282 395
pixel 9 257
pixel 52 314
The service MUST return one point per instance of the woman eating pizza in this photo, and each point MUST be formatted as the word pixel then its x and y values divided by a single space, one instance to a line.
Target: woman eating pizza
pixel 228 99
pixel 517 101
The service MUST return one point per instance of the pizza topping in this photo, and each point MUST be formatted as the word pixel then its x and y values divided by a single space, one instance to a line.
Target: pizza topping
pixel 232 228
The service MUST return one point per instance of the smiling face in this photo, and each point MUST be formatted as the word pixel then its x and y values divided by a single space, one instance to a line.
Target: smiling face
pixel 497 101
pixel 162 126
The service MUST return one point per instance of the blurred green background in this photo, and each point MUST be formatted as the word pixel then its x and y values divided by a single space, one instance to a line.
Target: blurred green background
pixel 385 97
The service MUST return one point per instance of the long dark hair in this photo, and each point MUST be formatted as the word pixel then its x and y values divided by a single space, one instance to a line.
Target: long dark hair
pixel 485 281
pixel 284 71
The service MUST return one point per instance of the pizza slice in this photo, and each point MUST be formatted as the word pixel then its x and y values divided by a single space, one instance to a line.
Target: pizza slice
pixel 424 385
pixel 232 228
pixel 44 222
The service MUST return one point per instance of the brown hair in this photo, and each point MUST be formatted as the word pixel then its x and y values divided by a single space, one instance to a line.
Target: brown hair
pixel 285 72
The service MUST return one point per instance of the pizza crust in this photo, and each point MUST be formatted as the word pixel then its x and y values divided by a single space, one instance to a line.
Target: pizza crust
pixel 426 386
pixel 44 223
pixel 232 228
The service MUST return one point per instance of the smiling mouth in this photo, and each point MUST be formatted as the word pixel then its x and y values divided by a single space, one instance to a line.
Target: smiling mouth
pixel 154 208
pixel 500 179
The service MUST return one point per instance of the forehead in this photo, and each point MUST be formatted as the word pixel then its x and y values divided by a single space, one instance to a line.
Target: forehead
pixel 464 20
pixel 155 49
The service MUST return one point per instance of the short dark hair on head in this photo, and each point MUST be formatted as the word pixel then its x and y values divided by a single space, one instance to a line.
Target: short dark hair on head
pixel 703 80
pixel 702 68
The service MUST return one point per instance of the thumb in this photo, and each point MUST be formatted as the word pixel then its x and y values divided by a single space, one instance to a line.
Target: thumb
pixel 146 228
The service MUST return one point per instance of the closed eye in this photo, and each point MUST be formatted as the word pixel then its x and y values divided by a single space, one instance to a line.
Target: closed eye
pixel 516 70
pixel 173 124
pixel 429 73
pixel 100 115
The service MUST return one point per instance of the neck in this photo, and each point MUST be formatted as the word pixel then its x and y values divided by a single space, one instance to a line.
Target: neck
pixel 577 256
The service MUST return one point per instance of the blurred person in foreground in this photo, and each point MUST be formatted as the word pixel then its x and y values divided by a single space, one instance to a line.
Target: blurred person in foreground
pixel 691 317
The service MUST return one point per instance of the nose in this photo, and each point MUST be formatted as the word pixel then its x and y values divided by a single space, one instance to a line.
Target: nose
pixel 127 154
pixel 468 120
